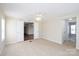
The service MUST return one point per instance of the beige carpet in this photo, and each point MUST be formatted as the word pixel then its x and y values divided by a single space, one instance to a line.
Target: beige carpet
pixel 38 47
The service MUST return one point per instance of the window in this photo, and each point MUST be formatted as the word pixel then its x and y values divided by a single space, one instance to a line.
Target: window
pixel 73 29
pixel 3 28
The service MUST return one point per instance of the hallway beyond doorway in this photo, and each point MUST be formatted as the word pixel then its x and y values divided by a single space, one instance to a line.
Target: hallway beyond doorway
pixel 28 31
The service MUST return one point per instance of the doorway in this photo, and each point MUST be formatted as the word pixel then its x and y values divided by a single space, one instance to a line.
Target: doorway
pixel 70 32
pixel 28 31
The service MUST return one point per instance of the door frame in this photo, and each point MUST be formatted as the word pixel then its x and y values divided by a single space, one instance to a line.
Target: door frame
pixel 36 29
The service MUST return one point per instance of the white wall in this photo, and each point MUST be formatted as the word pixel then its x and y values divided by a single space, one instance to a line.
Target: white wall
pixel 53 29
pixel 77 33
pixel 14 30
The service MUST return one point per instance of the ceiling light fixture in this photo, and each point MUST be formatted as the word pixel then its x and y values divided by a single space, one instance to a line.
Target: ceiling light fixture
pixel 70 19
pixel 39 17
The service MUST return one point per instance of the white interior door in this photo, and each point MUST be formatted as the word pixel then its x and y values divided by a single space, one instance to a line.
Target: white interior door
pixel 36 30
pixel 20 30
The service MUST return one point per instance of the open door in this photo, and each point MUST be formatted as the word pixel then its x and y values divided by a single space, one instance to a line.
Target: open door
pixel 70 32
pixel 28 31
